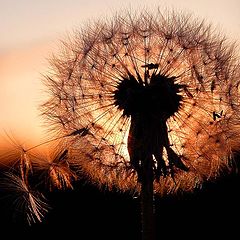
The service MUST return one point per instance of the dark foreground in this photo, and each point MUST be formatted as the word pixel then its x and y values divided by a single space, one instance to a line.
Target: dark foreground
pixel 87 213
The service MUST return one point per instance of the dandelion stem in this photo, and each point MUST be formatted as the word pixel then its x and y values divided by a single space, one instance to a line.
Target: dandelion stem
pixel 147 202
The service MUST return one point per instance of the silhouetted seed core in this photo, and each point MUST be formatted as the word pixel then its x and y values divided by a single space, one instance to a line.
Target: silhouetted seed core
pixel 150 104
pixel 159 97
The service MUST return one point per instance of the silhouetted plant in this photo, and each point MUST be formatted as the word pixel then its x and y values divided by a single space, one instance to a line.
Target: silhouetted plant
pixel 146 103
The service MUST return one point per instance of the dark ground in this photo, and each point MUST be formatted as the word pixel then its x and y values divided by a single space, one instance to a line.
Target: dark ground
pixel 87 213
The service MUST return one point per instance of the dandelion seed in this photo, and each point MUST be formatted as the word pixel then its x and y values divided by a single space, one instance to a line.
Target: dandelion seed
pixel 18 156
pixel 31 204
pixel 56 171
pixel 82 132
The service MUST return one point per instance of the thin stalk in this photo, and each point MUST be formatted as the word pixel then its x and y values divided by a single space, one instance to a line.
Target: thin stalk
pixel 147 202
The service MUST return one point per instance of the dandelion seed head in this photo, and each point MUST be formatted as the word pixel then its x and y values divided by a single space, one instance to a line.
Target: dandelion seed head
pixel 163 85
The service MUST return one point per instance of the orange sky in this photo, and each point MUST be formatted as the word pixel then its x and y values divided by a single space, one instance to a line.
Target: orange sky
pixel 29 33
pixel 21 90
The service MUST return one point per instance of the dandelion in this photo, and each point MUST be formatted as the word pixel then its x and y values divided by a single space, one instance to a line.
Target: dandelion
pixel 26 201
pixel 22 167
pixel 18 156
pixel 56 170
pixel 149 103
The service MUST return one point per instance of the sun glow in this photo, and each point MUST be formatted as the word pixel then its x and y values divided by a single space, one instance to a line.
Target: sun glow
pixel 21 93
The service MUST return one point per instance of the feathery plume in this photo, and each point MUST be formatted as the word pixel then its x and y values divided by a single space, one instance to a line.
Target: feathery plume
pixel 56 170
pixel 26 201
pixel 156 91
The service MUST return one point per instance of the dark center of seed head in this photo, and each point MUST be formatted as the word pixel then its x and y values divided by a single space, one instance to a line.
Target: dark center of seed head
pixel 160 97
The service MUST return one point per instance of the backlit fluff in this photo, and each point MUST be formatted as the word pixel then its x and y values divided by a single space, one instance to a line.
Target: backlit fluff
pixel 164 85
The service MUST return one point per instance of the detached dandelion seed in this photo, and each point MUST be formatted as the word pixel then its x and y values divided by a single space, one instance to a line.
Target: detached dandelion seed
pixel 56 170
pixel 18 156
pixel 156 96
pixel 29 203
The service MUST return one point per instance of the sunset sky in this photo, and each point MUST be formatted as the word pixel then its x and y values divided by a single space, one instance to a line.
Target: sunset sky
pixel 29 34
